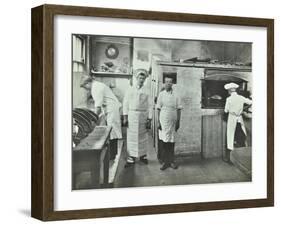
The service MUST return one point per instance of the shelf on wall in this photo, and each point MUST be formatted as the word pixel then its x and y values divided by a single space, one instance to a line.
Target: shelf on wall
pixel 112 74
pixel 230 67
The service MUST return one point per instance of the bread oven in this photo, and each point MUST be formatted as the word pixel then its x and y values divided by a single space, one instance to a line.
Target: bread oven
pixel 213 93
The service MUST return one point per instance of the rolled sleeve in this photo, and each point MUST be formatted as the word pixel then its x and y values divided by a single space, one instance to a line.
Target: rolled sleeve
pixel 150 106
pixel 159 102
pixel 226 107
pixel 179 103
pixel 150 110
pixel 248 101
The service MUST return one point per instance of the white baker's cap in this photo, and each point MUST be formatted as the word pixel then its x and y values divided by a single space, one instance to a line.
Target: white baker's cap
pixel 141 72
pixel 231 86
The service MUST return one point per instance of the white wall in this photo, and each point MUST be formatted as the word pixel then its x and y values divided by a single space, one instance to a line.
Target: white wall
pixel 15 112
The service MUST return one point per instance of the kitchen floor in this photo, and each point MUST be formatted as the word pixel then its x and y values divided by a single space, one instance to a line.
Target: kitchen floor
pixel 192 170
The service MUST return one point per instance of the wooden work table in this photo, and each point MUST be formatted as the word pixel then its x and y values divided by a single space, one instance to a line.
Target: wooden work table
pixel 92 155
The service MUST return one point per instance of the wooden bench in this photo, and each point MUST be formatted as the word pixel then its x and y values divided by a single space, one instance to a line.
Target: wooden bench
pixel 92 155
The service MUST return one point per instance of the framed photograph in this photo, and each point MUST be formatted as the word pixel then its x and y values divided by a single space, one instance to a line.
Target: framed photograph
pixel 142 112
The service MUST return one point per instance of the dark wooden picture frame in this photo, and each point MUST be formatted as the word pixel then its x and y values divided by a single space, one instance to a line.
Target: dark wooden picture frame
pixel 42 203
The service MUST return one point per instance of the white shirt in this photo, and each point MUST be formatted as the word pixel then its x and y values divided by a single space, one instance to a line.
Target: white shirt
pixel 104 97
pixel 137 99
pixel 235 103
pixel 168 101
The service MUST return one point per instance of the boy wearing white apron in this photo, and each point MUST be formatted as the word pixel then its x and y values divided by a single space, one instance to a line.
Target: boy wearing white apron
pixel 169 112
pixel 234 107
pixel 137 110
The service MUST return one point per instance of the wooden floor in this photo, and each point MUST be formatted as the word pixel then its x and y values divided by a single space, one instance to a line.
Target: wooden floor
pixel 192 170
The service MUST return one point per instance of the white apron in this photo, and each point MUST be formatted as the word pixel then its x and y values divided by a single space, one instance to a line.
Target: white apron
pixel 168 118
pixel 137 134
pixel 137 105
pixel 232 121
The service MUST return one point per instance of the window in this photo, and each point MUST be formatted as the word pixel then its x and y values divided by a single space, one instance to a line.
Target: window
pixel 78 45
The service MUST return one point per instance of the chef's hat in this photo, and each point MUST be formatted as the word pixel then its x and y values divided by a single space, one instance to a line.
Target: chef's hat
pixel 231 86
pixel 141 72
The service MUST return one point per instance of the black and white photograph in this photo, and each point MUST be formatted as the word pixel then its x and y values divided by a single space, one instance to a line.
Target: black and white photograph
pixel 160 112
